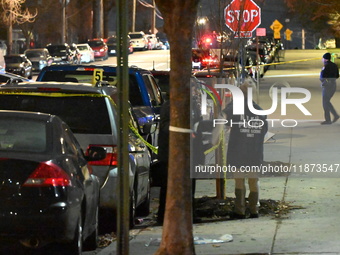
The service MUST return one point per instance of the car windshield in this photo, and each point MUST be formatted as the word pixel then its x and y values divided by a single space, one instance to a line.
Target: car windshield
pixel 34 54
pixel 135 36
pixel 95 43
pixel 57 50
pixel 111 40
pixel 84 114
pixel 82 47
pixel 10 59
pixel 22 135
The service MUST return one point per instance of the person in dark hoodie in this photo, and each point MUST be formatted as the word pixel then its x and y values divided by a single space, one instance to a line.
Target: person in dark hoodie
pixel 245 149
pixel 328 76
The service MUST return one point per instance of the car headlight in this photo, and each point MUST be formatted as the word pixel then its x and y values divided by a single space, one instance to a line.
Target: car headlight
pixel 101 50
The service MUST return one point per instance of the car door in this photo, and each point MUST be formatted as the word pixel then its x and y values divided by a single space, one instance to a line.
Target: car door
pixel 87 182
pixel 141 156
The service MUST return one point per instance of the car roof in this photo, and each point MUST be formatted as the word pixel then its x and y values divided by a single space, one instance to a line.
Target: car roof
pixel 37 49
pixel 60 87
pixel 105 67
pixel 32 115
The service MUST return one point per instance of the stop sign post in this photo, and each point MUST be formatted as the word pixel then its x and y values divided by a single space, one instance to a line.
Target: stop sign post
pixel 242 17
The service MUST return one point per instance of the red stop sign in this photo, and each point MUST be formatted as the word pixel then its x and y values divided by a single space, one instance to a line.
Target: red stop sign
pixel 242 17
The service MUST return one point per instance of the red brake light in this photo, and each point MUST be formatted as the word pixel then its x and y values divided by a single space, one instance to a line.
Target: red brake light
pixel 48 174
pixel 111 156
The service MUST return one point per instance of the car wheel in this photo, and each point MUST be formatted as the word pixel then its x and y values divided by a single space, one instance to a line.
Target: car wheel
pixel 76 246
pixel 91 241
pixel 144 208
pixel 132 208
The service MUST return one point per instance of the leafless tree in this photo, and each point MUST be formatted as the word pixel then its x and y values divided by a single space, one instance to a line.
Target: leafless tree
pixel 13 13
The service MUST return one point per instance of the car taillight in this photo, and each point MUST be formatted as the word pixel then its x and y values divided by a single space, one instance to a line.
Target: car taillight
pixel 48 174
pixel 111 156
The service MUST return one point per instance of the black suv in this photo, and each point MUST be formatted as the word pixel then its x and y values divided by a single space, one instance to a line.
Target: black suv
pixel 61 53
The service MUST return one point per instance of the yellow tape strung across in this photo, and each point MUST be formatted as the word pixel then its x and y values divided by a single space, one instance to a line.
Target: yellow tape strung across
pixel 133 129
pixel 150 146
pixel 276 63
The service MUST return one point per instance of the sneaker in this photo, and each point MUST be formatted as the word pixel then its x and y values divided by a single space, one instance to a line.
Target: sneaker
pixel 326 122
pixel 335 119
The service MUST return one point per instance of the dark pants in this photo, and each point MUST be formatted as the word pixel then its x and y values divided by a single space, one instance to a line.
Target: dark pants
pixel 163 168
pixel 327 93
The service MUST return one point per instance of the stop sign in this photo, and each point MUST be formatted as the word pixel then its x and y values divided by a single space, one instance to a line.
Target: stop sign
pixel 242 17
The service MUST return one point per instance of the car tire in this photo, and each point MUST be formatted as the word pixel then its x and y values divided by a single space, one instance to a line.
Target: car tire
pixel 92 240
pixel 144 208
pixel 76 246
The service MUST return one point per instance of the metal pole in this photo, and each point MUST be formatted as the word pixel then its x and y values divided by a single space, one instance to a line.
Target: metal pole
pixel 63 29
pixel 257 71
pixel 153 21
pixel 133 16
pixel 123 122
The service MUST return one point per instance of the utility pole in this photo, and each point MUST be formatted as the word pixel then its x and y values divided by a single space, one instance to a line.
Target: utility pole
pixel 153 20
pixel 133 29
pixel 63 27
pixel 98 21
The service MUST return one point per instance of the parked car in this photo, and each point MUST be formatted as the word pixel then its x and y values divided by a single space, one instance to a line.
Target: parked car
pixel 48 193
pixel 152 42
pixel 112 45
pixel 10 77
pixel 19 64
pixel 39 58
pixel 92 116
pixel 138 40
pixel 99 47
pixel 76 55
pixel 202 58
pixel 144 93
pixel 61 53
pixel 87 53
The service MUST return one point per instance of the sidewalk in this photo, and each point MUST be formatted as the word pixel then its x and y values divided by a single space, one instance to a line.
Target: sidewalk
pixel 312 230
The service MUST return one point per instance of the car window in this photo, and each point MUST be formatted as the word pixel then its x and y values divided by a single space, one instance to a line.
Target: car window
pixel 10 60
pixel 154 93
pixel 135 96
pixel 22 135
pixel 84 114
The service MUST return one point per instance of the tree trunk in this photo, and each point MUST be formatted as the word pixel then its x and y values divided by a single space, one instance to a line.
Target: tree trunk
pixel 179 18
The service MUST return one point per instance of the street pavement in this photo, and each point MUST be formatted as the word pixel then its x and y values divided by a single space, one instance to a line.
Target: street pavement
pixel 312 187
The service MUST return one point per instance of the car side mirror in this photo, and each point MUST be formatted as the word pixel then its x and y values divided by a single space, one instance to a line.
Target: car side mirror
pixel 95 153
pixel 148 128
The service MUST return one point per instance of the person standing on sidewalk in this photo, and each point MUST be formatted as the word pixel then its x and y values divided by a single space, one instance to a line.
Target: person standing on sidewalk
pixel 328 76
pixel 245 149
pixel 163 158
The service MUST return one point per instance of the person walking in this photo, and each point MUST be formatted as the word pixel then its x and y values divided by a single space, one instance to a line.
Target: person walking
pixel 328 76
pixel 245 149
